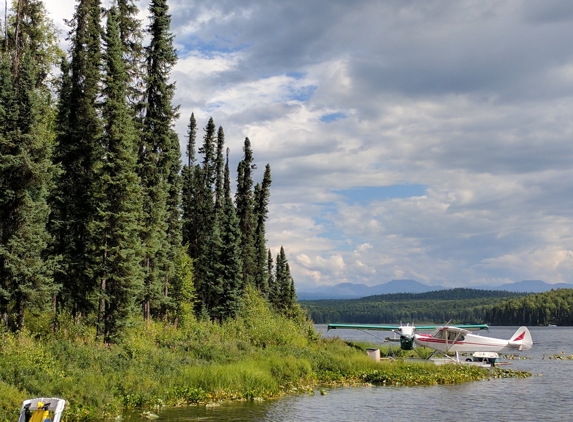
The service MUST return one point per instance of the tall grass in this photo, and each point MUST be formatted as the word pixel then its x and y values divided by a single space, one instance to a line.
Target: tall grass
pixel 258 354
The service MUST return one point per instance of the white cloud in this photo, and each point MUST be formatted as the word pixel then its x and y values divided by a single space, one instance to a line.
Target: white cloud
pixel 471 100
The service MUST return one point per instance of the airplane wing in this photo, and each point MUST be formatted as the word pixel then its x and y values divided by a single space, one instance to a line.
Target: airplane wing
pixel 469 327
pixel 454 330
pixel 379 327
pixel 363 327
pixel 473 327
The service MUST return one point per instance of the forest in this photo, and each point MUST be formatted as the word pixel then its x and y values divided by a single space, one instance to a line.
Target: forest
pixel 101 217
pixel 553 307
pixel 459 306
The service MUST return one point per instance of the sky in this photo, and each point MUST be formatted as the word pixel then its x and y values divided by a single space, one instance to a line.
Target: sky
pixel 427 140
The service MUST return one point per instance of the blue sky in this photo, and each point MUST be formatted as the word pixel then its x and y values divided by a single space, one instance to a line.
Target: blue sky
pixel 419 139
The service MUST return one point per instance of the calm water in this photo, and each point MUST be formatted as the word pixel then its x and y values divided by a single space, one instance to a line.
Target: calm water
pixel 546 396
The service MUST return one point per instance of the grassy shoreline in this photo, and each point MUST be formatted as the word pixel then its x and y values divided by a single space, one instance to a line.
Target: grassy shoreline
pixel 259 355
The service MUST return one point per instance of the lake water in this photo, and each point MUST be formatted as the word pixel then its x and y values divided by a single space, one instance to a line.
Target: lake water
pixel 547 396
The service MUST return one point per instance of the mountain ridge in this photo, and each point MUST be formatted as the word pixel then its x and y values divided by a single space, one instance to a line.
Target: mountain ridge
pixel 356 291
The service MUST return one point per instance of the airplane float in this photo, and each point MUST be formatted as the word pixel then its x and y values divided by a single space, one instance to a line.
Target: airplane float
pixel 448 338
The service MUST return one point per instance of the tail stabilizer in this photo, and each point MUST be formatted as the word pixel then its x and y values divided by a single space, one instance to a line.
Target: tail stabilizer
pixel 521 339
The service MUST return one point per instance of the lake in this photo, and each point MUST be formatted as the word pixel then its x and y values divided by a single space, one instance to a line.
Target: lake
pixel 544 396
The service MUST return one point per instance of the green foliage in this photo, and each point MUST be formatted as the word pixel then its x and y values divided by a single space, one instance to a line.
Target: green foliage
pixel 283 296
pixel 244 201
pixel 26 173
pixel 78 153
pixel 159 161
pixel 116 245
pixel 261 210
pixel 259 325
pixel 183 290
pixel 553 307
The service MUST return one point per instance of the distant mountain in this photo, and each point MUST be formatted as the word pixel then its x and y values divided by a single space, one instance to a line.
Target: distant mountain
pixel 355 291
pixel 533 286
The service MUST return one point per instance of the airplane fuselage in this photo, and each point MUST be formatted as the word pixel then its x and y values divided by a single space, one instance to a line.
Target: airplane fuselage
pixel 466 343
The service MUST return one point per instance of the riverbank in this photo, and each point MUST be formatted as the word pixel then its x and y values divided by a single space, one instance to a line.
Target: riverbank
pixel 259 355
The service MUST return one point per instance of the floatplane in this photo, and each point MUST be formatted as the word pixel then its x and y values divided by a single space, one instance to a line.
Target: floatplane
pixel 448 338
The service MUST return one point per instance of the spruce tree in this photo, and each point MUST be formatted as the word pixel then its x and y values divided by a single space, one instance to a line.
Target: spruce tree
pixel 189 192
pixel 245 212
pixel 285 294
pixel 219 264
pixel 8 161
pixel 191 136
pixel 204 232
pixel 271 284
pixel 262 195
pixel 25 177
pixel 26 171
pixel 174 222
pixel 131 37
pixel 183 290
pixel 208 151
pixel 219 162
pixel 116 227
pixel 158 160
pixel 78 154
pixel 31 29
pixel 228 265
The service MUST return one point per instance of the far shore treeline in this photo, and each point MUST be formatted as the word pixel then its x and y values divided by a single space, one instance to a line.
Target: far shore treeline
pixel 457 306
pixel 100 219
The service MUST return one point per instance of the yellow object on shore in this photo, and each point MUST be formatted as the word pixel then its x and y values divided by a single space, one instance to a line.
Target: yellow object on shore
pixel 41 414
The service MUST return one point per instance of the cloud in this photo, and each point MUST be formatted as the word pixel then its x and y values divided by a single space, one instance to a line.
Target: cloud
pixel 461 110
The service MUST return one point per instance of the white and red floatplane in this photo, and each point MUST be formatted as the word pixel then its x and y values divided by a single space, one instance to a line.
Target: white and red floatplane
pixel 449 338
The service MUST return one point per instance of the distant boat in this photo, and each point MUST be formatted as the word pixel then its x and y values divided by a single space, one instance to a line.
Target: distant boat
pixel 551 325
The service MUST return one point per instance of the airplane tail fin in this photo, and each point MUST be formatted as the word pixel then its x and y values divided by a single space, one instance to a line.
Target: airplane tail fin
pixel 521 339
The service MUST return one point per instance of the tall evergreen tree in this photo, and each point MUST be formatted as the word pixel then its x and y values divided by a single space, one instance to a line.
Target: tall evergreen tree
pixel 262 195
pixel 245 212
pixel 25 177
pixel 201 230
pixel 228 274
pixel 285 295
pixel 189 192
pixel 219 162
pixel 221 264
pixel 31 29
pixel 30 48
pixel 78 153
pixel 271 285
pixel 205 232
pixel 8 161
pixel 131 36
pixel 174 223
pixel 208 151
pixel 116 226
pixel 191 136
pixel 158 159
